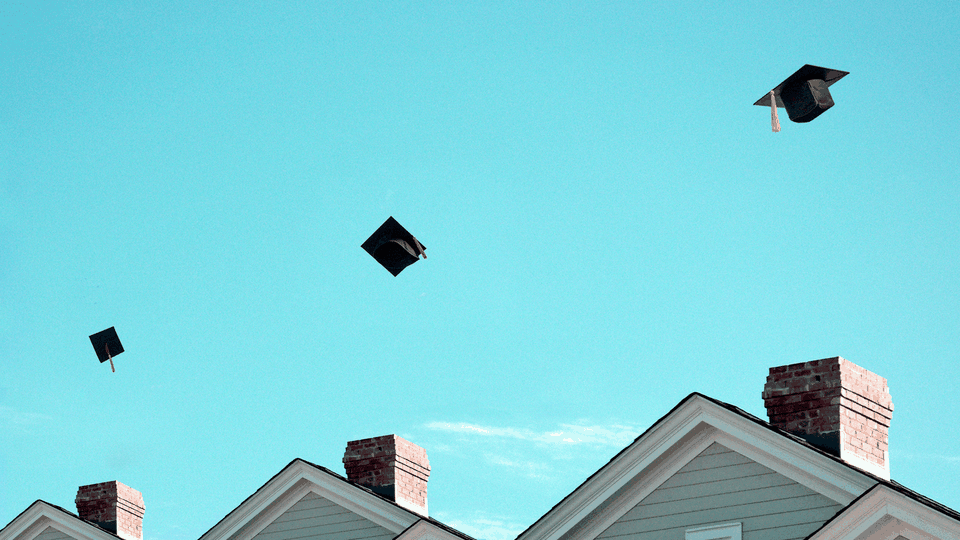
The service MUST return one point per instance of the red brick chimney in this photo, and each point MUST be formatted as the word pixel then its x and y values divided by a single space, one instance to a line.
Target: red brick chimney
pixel 391 466
pixel 113 506
pixel 835 405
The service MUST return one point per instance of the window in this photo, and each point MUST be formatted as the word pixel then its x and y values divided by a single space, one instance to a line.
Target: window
pixel 727 531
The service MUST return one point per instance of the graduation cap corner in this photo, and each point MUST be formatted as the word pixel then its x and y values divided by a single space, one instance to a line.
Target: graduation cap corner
pixel 107 345
pixel 393 247
pixel 805 94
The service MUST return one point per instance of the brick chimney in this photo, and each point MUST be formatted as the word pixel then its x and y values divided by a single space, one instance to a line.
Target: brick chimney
pixel 391 466
pixel 112 506
pixel 835 405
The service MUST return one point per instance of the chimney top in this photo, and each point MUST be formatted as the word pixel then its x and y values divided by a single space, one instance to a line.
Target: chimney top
pixel 114 507
pixel 834 405
pixel 390 466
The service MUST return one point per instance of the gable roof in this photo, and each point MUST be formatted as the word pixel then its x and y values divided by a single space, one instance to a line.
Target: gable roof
pixel 429 529
pixel 41 514
pixel 300 477
pixel 680 435
pixel 890 511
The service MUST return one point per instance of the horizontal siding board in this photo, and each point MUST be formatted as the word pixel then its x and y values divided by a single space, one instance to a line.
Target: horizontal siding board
pixel 332 522
pixel 317 518
pixel 790 532
pixel 372 531
pixel 714 475
pixel 321 530
pixel 730 485
pixel 315 503
pixel 715 448
pixel 311 508
pixel 759 515
pixel 714 461
pixel 797 531
pixel 53 534
pixel 312 504
pixel 720 486
pixel 808 514
pixel 330 513
pixel 757 500
pixel 343 522
pixel 360 534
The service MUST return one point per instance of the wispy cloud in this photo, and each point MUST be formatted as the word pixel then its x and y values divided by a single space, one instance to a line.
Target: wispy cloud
pixel 614 435
pixel 11 417
pixel 532 469
pixel 548 456
pixel 484 527
pixel 931 457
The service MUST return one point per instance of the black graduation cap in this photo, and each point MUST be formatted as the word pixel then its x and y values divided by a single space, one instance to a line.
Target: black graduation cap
pixel 805 94
pixel 393 247
pixel 107 344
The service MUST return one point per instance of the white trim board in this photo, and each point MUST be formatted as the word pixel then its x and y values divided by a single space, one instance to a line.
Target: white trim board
pixel 726 531
pixel 40 515
pixel 292 484
pixel 884 514
pixel 670 444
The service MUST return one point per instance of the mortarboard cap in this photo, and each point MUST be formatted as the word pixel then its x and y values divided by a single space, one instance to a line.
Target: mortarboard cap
pixel 393 247
pixel 805 94
pixel 107 345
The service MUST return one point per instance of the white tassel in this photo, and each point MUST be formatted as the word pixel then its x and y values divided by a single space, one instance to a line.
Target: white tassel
pixel 774 121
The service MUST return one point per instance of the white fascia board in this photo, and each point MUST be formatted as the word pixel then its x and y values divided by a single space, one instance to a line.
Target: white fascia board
pixel 885 514
pixel 424 530
pixel 796 461
pixel 291 485
pixel 631 493
pixel 659 454
pixel 41 515
pixel 613 476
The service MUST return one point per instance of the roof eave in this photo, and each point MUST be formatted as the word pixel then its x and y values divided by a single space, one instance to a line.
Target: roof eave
pixel 41 514
pixel 693 424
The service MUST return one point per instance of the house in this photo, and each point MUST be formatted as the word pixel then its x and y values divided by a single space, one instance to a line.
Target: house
pixel 818 470
pixel 384 497
pixel 707 470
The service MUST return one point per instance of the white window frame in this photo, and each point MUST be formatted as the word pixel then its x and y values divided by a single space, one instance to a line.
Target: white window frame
pixel 726 531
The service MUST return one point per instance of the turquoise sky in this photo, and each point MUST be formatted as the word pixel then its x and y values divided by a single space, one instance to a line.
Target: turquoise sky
pixel 610 225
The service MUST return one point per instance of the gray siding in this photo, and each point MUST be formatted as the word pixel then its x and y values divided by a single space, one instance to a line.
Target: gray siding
pixel 722 486
pixel 317 518
pixel 52 534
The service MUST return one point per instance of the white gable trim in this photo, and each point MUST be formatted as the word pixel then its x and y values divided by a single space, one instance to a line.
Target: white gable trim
pixel 885 514
pixel 41 515
pixel 632 492
pixel 679 437
pixel 727 531
pixel 424 530
pixel 292 484
pixel 804 466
